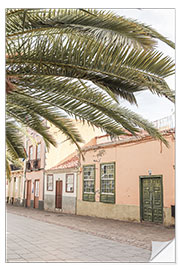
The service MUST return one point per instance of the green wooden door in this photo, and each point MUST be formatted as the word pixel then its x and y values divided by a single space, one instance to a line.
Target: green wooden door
pixel 152 199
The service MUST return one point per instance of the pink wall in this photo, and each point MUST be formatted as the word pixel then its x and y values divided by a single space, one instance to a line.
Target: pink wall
pixel 37 139
pixel 134 160
pixel 35 176
pixel 38 174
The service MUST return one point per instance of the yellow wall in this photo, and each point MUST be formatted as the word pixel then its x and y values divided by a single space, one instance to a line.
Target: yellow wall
pixel 64 147
pixel 15 189
pixel 117 211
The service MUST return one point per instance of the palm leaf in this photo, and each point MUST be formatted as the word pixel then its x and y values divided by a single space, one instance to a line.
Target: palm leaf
pixel 123 72
pixel 103 25
pixel 14 140
pixel 81 101
pixel 64 63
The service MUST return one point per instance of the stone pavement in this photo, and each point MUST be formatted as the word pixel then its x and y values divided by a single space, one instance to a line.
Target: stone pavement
pixel 30 240
pixel 135 234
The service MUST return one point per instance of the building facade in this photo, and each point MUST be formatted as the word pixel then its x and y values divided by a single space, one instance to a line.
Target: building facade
pixel 61 186
pixel 39 160
pixel 35 167
pixel 131 179
pixel 64 147
pixel 15 187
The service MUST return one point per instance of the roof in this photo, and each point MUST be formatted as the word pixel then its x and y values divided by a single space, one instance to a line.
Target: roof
pixel 71 162
pixel 126 139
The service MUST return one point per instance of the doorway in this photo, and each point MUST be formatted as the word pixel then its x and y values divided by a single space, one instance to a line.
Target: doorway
pixel 36 194
pixel 59 194
pixel 151 198
pixel 28 193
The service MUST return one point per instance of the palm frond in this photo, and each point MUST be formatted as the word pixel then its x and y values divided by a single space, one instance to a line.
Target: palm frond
pixel 14 140
pixel 102 25
pixel 82 101
pixel 64 63
pixel 123 71
pixel 12 160
pixel 31 109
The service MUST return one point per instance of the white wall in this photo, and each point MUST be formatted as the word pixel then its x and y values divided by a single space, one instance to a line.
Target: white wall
pixel 61 176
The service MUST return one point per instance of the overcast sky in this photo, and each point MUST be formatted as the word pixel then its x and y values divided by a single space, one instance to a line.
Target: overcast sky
pixel 151 106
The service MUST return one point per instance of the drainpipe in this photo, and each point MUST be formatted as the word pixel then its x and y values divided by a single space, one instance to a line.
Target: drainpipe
pixel 44 171
pixel 77 181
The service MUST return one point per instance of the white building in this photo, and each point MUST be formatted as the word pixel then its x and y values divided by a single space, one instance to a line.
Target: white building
pixel 61 186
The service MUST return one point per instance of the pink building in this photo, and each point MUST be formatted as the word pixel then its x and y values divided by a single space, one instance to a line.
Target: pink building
pixel 35 164
pixel 130 179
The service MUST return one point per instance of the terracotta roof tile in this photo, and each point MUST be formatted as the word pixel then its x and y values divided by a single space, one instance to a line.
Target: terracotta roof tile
pixel 72 162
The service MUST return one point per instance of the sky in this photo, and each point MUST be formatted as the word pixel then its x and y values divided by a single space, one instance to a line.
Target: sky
pixel 151 106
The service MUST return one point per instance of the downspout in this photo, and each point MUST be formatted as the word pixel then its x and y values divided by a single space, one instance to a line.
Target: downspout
pixel 46 124
pixel 77 181
pixel 44 172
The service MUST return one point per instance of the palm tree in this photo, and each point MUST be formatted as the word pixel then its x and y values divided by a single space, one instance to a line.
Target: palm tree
pixel 66 63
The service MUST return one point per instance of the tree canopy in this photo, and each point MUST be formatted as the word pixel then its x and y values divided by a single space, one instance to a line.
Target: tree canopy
pixel 65 63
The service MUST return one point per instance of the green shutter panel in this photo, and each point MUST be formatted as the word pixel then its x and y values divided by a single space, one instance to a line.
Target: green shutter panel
pixel 107 178
pixel 89 183
pixel 89 197
pixel 107 198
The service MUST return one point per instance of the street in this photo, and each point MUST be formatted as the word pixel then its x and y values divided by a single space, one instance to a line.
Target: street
pixel 32 240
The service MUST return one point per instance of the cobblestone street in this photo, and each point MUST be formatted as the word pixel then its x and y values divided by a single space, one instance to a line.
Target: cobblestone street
pixel 37 236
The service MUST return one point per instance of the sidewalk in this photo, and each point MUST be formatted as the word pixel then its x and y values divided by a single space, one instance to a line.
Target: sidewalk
pixel 135 234
pixel 30 240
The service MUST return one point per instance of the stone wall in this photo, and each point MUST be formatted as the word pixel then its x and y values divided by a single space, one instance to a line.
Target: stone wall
pixel 119 212
pixel 68 204
pixel 107 210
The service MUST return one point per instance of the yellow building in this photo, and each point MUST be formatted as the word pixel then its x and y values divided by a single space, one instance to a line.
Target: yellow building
pixel 15 187
pixel 64 147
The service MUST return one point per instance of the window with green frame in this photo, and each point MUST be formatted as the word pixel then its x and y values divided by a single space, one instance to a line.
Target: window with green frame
pixel 89 183
pixel 107 179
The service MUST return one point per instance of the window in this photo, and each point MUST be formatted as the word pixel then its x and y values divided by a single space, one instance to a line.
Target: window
pixel 36 188
pixel 19 189
pixel 50 182
pixel 89 183
pixel 30 152
pixel 38 151
pixel 70 183
pixel 107 183
pixel 16 184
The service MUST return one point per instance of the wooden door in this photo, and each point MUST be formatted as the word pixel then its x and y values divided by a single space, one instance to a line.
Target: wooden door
pixel 157 200
pixel 28 193
pixel 36 194
pixel 152 199
pixel 59 194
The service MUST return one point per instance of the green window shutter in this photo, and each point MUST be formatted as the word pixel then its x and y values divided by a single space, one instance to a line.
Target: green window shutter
pixel 107 198
pixel 89 183
pixel 89 197
pixel 107 178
